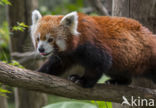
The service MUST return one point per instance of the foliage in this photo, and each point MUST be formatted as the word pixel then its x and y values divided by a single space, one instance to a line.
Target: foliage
pixel 67 7
pixel 14 63
pixel 64 7
pixel 103 79
pixel 3 92
pixel 4 52
pixel 102 104
pixel 80 104
pixel 5 2
pixel 19 27
pixel 4 38
pixel 4 42
pixel 71 104
pixel 4 45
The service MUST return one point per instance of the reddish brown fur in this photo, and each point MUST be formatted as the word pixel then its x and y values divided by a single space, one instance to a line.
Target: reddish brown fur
pixel 132 45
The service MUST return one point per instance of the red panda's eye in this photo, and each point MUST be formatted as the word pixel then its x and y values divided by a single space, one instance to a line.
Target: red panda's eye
pixel 50 39
pixel 38 39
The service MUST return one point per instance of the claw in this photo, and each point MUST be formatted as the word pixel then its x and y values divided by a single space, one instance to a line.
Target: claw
pixel 75 78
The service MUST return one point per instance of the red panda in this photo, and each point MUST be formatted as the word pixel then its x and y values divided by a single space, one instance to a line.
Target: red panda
pixel 116 46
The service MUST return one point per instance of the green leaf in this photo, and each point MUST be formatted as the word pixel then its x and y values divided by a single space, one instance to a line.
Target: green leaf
pixel 71 104
pixel 103 79
pixel 4 41
pixel 1 3
pixel 102 104
pixel 20 27
pixel 3 94
pixel 4 91
pixel 22 24
pixel 16 63
pixel 5 2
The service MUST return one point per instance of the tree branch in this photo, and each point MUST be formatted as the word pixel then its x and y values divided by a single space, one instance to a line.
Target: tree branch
pixel 99 7
pixel 28 79
pixel 25 57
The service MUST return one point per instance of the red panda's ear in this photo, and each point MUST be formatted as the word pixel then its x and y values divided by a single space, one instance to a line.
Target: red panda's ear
pixel 71 20
pixel 35 16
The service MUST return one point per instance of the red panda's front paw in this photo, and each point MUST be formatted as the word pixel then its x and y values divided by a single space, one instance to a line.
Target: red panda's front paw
pixel 74 78
pixel 82 81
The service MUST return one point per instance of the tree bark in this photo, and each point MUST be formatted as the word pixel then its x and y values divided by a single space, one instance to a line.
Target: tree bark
pixel 99 7
pixel 120 8
pixel 20 11
pixel 3 102
pixel 108 5
pixel 23 78
pixel 28 97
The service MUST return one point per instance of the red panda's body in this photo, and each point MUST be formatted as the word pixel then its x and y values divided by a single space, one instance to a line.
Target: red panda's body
pixel 131 44
pixel 117 46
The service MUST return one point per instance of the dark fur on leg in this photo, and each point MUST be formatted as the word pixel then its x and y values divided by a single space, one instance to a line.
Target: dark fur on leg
pixel 119 81
pixel 55 65
pixel 151 75
pixel 86 81
pixel 90 79
pixel 96 62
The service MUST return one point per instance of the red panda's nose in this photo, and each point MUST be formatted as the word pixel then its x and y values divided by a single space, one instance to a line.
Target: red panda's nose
pixel 41 49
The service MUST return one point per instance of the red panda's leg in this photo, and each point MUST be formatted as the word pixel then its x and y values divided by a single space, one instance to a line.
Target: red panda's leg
pixel 55 65
pixel 119 81
pixel 151 74
pixel 95 60
pixel 88 80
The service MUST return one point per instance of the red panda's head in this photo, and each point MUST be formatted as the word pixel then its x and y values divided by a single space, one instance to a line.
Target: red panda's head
pixel 53 33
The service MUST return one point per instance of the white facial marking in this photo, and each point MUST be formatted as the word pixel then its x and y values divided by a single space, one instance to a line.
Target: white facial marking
pixel 47 47
pixel 61 44
pixel 71 20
